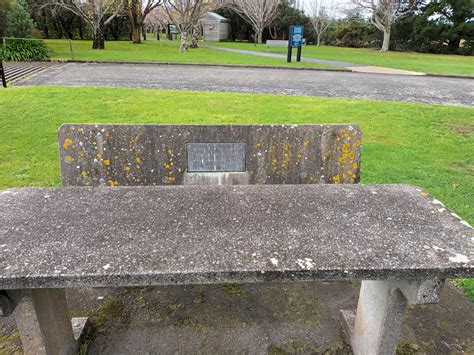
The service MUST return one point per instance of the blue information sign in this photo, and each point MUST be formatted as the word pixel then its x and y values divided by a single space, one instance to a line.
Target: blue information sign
pixel 296 36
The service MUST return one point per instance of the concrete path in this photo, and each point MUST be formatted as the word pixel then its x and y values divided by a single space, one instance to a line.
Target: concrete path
pixel 333 63
pixel 359 68
pixel 424 89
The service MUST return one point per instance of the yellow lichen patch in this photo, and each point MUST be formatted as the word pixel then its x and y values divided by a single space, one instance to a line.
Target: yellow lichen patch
pixel 69 158
pixel 98 156
pixel 113 183
pixel 336 179
pixel 107 162
pixel 357 143
pixel 67 143
pixel 424 194
pixel 355 165
pixel 258 145
pixel 351 155
pixel 84 173
pixel 345 147
pixel 127 168
pixel 81 154
pixel 138 160
pixel 306 144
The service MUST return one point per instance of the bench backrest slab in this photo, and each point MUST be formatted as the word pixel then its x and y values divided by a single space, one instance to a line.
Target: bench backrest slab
pixel 147 155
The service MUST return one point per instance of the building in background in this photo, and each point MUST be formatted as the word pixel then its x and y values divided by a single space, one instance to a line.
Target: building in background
pixel 215 28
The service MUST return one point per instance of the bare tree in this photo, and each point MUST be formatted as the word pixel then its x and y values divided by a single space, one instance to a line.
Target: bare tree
pixel 322 13
pixel 186 14
pixel 259 13
pixel 157 20
pixel 96 14
pixel 137 11
pixel 384 13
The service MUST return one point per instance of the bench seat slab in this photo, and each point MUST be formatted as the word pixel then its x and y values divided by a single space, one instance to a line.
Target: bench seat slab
pixel 95 237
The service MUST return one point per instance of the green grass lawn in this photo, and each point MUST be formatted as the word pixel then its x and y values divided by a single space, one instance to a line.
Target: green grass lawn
pixel 425 145
pixel 421 62
pixel 159 51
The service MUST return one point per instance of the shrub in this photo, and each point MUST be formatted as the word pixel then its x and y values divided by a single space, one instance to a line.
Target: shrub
pixel 20 50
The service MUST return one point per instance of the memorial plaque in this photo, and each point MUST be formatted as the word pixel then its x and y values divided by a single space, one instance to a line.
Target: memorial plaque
pixel 216 157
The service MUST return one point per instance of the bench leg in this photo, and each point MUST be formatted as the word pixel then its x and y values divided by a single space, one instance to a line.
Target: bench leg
pixel 375 328
pixel 42 317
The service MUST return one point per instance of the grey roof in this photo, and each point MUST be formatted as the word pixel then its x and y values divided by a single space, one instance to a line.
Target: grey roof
pixel 217 17
pixel 92 237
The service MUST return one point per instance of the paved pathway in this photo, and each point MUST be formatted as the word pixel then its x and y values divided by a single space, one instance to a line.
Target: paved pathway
pixel 333 63
pixel 453 91
pixel 359 68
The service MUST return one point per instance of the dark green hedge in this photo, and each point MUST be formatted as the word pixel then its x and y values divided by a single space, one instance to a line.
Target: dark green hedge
pixel 19 50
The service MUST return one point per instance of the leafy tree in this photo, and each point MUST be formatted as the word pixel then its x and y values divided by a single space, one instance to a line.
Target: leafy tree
pixel 287 15
pixel 4 11
pixel 353 31
pixel 20 23
pixel 455 19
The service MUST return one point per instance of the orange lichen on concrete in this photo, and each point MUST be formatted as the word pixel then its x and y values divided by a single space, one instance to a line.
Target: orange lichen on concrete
pixel 67 143
pixel 113 183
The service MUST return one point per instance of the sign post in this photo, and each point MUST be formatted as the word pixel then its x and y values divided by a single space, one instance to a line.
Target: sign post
pixel 2 74
pixel 296 40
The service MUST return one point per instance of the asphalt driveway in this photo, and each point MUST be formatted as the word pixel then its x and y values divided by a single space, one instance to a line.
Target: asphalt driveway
pixel 424 89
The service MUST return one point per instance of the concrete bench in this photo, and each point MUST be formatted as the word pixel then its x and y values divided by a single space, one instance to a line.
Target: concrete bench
pixel 397 239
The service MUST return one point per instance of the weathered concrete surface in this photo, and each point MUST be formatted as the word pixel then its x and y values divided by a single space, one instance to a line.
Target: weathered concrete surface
pixel 92 237
pixel 251 318
pixel 452 91
pixel 131 155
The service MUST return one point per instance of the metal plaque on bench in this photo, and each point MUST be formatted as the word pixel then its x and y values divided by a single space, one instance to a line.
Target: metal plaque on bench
pixel 216 157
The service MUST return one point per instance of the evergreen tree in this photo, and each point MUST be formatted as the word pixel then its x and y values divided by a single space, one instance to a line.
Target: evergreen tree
pixel 4 11
pixel 20 23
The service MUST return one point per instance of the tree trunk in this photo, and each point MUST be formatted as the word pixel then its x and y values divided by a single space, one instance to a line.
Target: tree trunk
pixel 386 41
pixel 143 27
pixel 259 36
pixel 136 35
pixel 318 40
pixel 184 44
pixel 134 14
pixel 453 44
pixel 194 43
pixel 99 39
